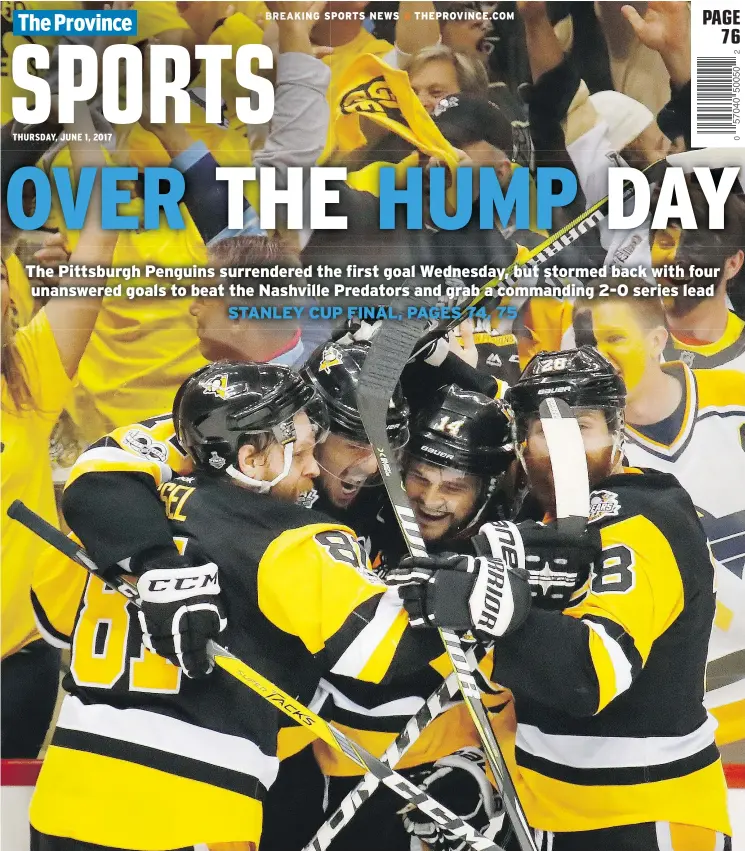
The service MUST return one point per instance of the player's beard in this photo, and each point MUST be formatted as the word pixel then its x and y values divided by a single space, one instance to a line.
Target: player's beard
pixel 541 478
pixel 680 306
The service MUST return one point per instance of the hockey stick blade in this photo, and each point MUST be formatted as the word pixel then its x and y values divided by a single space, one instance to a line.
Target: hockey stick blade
pixel 389 353
pixel 273 694
pixel 566 451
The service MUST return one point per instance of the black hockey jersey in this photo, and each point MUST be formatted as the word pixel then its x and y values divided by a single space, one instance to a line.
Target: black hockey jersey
pixel 728 352
pixel 611 727
pixel 192 759
pixel 373 715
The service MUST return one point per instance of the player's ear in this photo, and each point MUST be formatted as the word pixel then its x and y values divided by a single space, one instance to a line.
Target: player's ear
pixel 250 461
pixel 504 171
pixel 732 265
pixel 657 341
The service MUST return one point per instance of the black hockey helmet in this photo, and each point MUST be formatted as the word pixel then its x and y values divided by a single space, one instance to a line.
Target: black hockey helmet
pixel 582 377
pixel 334 369
pixel 220 406
pixel 463 430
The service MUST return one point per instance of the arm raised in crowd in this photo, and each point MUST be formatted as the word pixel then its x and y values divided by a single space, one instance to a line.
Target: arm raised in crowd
pixel 301 113
pixel 544 48
pixel 666 28
pixel 296 138
pixel 416 28
pixel 72 319
pixel 555 85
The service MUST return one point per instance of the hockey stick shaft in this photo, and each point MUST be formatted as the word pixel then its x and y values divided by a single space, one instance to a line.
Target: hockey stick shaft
pixel 548 249
pixel 385 361
pixel 355 799
pixel 270 692
pixel 415 726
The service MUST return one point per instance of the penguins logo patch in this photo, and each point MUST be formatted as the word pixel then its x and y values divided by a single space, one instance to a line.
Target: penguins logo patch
pixel 217 386
pixel 331 357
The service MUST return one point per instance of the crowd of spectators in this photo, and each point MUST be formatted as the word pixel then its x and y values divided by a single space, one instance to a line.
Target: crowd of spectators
pixel 506 86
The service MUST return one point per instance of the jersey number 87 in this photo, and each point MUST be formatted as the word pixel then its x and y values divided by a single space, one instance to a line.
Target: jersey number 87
pixel 103 646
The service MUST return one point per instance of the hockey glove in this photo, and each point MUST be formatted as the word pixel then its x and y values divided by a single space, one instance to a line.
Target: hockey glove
pixel 462 593
pixel 459 782
pixel 181 609
pixel 558 563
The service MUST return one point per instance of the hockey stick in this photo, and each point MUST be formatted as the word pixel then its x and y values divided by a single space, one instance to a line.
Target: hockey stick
pixel 549 248
pixel 566 452
pixel 273 694
pixel 354 799
pixel 414 728
pixel 388 355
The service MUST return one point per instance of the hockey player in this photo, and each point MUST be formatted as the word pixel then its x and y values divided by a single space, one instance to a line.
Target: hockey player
pixel 459 449
pixel 614 746
pixel 349 470
pixel 299 599
pixel 133 461
pixel 455 461
pixel 688 422
pixel 111 501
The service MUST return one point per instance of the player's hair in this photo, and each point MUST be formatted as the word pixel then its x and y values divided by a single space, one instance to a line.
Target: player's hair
pixel 12 367
pixel 237 252
pixel 471 74
pixel 259 251
pixel 648 311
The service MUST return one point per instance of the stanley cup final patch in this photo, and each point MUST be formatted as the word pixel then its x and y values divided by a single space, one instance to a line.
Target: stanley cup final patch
pixel 603 504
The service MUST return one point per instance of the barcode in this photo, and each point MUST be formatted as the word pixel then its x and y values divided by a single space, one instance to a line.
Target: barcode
pixel 716 74
pixel 715 94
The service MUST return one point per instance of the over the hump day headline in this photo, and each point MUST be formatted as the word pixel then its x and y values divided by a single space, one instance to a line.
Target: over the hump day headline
pixel 168 74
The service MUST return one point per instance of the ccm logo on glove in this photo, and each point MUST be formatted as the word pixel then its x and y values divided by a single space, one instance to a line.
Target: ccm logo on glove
pixel 181 610
pixel 169 586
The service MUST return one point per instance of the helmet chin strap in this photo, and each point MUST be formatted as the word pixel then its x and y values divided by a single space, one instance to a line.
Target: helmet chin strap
pixel 619 439
pixel 255 484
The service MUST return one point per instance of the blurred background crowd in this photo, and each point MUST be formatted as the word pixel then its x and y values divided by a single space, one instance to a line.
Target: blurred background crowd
pixel 506 86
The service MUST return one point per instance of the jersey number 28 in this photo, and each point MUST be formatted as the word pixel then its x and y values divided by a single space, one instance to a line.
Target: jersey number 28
pixel 616 573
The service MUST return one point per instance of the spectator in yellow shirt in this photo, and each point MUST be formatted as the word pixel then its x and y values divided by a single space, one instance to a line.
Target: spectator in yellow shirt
pixel 38 363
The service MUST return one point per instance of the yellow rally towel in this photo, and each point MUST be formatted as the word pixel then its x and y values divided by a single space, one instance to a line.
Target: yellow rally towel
pixel 373 90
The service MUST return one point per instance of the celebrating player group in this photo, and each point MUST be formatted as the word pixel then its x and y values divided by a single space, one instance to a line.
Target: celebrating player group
pixel 414 534
pixel 253 515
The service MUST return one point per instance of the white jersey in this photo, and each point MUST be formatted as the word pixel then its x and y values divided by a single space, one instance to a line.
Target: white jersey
pixel 592 155
pixel 707 456
pixel 728 352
